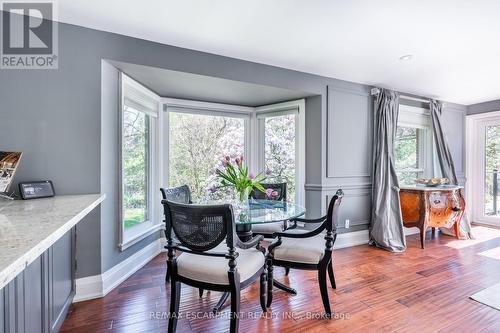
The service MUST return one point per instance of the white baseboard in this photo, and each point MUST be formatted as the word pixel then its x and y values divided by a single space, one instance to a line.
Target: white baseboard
pixel 100 285
pixel 361 237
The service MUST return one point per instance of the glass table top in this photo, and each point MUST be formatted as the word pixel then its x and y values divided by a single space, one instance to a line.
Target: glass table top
pixel 266 211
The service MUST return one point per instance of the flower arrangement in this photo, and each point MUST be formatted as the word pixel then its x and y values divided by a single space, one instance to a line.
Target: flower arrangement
pixel 235 174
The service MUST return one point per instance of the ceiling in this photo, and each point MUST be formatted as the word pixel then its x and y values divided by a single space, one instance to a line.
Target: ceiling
pixel 173 84
pixel 454 43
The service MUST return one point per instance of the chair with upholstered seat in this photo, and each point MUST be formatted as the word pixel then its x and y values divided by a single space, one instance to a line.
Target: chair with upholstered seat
pixel 207 263
pixel 180 194
pixel 310 250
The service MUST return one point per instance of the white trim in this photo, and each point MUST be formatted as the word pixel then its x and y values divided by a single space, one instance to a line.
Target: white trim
pixel 208 106
pixel 138 236
pixel 98 286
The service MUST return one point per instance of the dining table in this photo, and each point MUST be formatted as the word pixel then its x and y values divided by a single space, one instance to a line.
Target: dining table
pixel 260 211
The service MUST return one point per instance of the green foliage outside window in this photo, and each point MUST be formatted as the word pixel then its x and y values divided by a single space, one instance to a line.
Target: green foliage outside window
pixel 135 167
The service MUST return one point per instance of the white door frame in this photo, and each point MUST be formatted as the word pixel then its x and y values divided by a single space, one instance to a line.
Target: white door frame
pixel 475 162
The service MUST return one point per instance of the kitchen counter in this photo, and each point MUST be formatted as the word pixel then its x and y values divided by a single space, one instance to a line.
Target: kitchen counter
pixel 29 227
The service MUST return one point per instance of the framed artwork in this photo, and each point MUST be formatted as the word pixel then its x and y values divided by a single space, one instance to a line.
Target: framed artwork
pixel 9 162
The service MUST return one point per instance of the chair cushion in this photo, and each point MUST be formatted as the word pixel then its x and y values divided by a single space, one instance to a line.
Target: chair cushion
pixel 301 250
pixel 267 228
pixel 214 269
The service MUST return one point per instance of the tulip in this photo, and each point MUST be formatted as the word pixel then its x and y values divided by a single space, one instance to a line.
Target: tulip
pixel 241 157
pixel 275 194
pixel 237 160
pixel 251 176
pixel 224 163
pixel 268 171
pixel 269 192
pixel 212 189
pixel 227 158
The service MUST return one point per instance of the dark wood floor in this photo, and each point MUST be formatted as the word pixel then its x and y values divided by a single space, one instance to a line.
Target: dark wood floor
pixel 416 291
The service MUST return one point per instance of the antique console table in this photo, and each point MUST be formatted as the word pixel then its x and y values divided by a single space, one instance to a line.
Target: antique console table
pixel 424 207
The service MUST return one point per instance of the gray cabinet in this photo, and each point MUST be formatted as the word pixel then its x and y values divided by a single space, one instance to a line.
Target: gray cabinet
pixel 38 299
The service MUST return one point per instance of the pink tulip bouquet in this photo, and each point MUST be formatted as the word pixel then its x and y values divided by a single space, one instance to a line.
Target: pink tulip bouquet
pixel 235 174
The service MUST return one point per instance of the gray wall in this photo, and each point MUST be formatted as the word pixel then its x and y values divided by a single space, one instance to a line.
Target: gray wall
pixel 484 107
pixel 55 117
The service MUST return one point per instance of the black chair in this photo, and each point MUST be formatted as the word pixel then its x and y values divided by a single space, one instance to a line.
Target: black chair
pixel 268 229
pixel 308 250
pixel 205 262
pixel 180 194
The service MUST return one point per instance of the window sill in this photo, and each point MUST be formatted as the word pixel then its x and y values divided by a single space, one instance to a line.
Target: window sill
pixel 140 236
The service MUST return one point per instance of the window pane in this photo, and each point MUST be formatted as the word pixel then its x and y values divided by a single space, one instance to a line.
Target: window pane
pixel 406 154
pixel 135 167
pixel 196 146
pixel 279 152
pixel 492 165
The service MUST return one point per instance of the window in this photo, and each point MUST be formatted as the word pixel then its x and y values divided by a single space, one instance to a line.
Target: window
pixel 139 213
pixel 197 143
pixel 491 168
pixel 408 158
pixel 136 167
pixel 413 145
pixel 281 148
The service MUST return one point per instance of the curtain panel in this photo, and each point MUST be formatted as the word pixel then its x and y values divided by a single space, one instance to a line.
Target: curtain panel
pixel 386 227
pixel 445 159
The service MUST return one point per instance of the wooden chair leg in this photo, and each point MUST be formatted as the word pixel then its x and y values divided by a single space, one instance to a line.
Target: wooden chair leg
pixel 269 283
pixel 324 291
pixel 331 275
pixel 263 290
pixel 175 296
pixel 235 310
pixel 287 271
pixel 200 292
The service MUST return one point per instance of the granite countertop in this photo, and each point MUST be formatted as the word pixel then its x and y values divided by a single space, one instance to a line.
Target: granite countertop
pixel 431 188
pixel 28 228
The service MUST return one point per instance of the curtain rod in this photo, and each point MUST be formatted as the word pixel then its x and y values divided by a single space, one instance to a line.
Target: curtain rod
pixel 376 91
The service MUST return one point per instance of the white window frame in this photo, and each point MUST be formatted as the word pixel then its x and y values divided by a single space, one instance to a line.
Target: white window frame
pixel 143 100
pixel 419 118
pixel 275 110
pixel 475 161
pixel 253 138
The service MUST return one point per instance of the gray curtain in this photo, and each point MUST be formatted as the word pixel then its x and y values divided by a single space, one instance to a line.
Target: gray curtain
pixel 443 154
pixel 386 228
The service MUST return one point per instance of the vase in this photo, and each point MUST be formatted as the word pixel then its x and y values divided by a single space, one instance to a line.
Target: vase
pixel 243 195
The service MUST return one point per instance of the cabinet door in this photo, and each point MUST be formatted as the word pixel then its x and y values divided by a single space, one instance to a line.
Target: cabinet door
pixel 61 272
pixel 34 294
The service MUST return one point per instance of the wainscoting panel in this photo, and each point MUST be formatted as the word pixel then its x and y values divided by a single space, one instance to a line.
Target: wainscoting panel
pixel 356 207
pixel 349 123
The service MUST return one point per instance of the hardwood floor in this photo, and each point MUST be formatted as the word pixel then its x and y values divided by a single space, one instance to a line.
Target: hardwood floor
pixel 377 291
